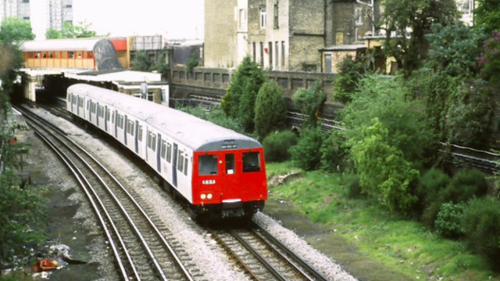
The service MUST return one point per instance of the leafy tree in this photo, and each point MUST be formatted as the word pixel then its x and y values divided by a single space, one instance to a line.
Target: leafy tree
pixel 81 30
pixel 309 101
pixel 487 15
pixel 406 24
pixel 387 135
pixel 490 59
pixel 469 114
pixel 53 33
pixel 346 80
pixel 141 62
pixel 454 49
pixel 15 29
pixel 452 59
pixel 11 58
pixel 270 109
pixel 239 101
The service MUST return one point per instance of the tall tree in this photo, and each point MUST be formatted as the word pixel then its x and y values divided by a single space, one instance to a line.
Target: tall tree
pixel 487 15
pixel 81 30
pixel 270 109
pixel 239 101
pixel 15 29
pixel 406 24
pixel 53 33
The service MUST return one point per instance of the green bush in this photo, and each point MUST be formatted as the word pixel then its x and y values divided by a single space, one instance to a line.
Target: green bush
pixel 307 152
pixel 276 146
pixel 427 191
pixel 353 187
pixel 464 185
pixel 448 221
pixel 333 153
pixel 481 224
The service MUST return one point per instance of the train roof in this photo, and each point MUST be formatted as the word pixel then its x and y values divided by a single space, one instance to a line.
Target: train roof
pixel 196 133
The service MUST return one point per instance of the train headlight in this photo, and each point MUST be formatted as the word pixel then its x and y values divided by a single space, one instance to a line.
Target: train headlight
pixel 209 196
pixel 203 196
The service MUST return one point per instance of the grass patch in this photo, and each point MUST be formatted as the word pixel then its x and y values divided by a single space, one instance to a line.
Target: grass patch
pixel 405 246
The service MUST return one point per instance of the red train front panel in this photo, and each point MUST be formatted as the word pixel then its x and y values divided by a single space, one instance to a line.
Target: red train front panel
pixel 229 183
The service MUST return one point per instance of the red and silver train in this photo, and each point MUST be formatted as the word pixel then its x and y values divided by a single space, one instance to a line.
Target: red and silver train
pixel 219 172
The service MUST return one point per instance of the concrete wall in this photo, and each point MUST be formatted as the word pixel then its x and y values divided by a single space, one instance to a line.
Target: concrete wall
pixel 212 83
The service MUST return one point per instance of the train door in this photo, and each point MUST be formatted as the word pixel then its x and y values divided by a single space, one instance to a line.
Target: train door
pixel 106 118
pixel 125 129
pixel 230 185
pixel 174 166
pixel 136 139
pixel 97 114
pixel 158 151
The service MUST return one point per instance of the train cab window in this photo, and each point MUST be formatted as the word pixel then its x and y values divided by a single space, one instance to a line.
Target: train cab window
pixel 207 165
pixel 251 162
pixel 169 152
pixel 229 164
pixel 130 127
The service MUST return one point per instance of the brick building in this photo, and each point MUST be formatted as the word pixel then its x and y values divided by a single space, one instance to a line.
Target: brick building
pixel 285 35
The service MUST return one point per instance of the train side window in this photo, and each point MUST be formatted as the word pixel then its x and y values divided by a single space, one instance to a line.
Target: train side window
pixel 207 165
pixel 113 117
pixel 251 162
pixel 152 141
pixel 180 162
pixel 130 127
pixel 107 114
pixel 163 152
pixel 169 152
pixel 140 132
pixel 101 111
pixel 186 166
pixel 80 102
pixel 230 164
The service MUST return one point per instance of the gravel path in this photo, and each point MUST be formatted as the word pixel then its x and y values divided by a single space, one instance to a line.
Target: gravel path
pixel 211 260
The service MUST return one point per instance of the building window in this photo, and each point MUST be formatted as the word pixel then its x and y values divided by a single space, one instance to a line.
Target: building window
pixel 283 53
pixel 270 52
pixel 328 63
pixel 276 48
pixel 254 52
pixel 261 53
pixel 263 18
pixel 243 19
pixel 276 17
pixel 358 15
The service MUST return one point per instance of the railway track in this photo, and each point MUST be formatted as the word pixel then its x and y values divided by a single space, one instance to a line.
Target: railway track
pixel 143 250
pixel 263 257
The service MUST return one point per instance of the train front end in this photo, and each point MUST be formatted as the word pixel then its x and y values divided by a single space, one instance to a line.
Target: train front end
pixel 229 182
